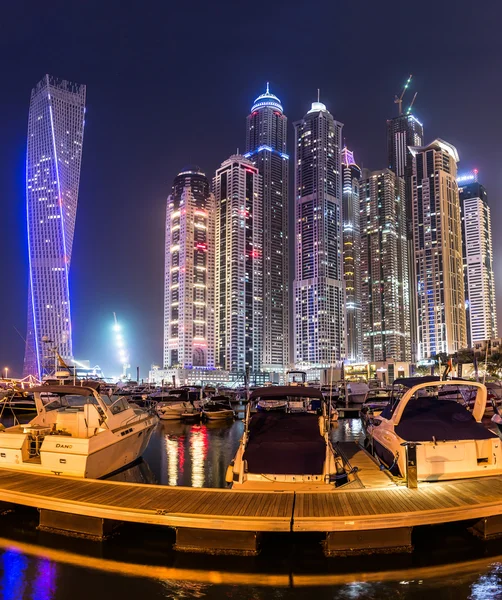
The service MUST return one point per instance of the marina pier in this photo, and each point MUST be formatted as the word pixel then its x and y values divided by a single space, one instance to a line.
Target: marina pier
pixel 356 520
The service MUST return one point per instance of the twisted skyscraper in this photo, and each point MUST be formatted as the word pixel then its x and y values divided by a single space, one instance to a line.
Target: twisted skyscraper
pixel 53 159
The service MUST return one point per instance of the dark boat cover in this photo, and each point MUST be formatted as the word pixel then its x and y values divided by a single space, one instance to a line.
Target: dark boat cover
pixel 410 382
pixel 281 392
pixel 285 444
pixel 445 420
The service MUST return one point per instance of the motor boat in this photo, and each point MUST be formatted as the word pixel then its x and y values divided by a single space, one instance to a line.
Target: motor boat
pixel 13 403
pixel 450 440
pixel 77 432
pixel 286 450
pixel 357 391
pixel 218 408
pixel 172 407
pixel 376 401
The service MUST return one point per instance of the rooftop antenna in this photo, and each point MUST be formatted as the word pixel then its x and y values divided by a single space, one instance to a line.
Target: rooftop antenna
pixel 268 92
pixel 399 100
pixel 412 103
pixel 318 95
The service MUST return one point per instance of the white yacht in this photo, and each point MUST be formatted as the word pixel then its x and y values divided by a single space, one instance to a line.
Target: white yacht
pixel 437 416
pixel 77 432
pixel 286 449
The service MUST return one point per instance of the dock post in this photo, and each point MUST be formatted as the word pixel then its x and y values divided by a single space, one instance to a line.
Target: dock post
pixel 374 541
pixel 76 525
pixel 411 464
pixel 215 541
pixel 488 528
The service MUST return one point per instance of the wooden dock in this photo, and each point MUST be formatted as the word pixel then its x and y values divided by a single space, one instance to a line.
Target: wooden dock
pixel 353 520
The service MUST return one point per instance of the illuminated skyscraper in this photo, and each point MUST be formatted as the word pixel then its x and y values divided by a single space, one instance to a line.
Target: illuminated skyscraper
pixel 53 158
pixel 189 340
pixel 437 241
pixel 318 287
pixel 403 132
pixel 384 267
pixel 237 188
pixel 351 175
pixel 266 148
pixel 481 309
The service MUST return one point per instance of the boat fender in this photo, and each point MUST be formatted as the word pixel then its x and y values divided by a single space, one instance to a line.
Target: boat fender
pixel 229 476
pixel 384 468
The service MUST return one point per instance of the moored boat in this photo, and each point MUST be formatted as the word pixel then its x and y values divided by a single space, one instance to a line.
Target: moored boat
pixel 217 409
pixel 77 432
pixel 286 450
pixel 433 416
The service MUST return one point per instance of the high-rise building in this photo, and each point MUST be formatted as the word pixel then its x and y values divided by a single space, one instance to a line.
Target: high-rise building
pixel 384 267
pixel 189 338
pixel 53 158
pixel 481 309
pixel 266 148
pixel 351 175
pixel 318 288
pixel 437 240
pixel 237 188
pixel 403 132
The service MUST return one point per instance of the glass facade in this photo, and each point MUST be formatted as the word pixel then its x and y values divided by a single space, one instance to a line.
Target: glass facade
pixel 237 187
pixel 437 244
pixel 53 160
pixel 351 175
pixel 384 267
pixel 481 308
pixel 189 273
pixel 266 136
pixel 319 333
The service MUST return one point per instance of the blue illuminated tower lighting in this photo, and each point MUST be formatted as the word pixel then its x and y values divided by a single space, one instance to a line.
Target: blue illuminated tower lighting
pixel 53 159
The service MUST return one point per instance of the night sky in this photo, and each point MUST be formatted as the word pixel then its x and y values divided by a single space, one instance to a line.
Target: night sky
pixel 170 83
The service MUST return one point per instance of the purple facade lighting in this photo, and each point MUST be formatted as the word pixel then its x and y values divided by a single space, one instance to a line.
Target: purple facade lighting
pixel 53 159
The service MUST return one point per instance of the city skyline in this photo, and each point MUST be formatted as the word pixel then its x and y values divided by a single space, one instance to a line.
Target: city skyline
pixel 352 244
pixel 138 137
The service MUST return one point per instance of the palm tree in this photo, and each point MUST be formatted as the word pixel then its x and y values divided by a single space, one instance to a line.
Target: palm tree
pixel 494 364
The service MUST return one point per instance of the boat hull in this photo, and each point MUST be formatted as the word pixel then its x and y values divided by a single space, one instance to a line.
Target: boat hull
pixel 91 458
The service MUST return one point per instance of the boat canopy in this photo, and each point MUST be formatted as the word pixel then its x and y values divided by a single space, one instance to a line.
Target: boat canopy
pixel 410 382
pixel 479 404
pixel 66 390
pixel 281 391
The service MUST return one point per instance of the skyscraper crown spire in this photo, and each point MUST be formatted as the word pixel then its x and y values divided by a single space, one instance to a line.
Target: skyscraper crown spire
pixel 267 99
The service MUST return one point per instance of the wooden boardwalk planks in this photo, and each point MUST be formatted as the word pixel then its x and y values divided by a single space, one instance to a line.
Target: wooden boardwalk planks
pixel 399 506
pixel 340 510
pixel 163 505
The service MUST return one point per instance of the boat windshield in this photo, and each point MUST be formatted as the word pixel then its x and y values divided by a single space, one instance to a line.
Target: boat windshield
pixel 462 393
pixel 66 401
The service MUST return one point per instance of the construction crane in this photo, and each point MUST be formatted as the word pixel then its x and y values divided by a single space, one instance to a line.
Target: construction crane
pixel 399 99
pixel 412 103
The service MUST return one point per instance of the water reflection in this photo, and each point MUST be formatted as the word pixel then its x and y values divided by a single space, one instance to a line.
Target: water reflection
pixel 44 585
pixel 198 453
pixel 172 459
pixel 489 585
pixel 188 454
pixel 13 582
